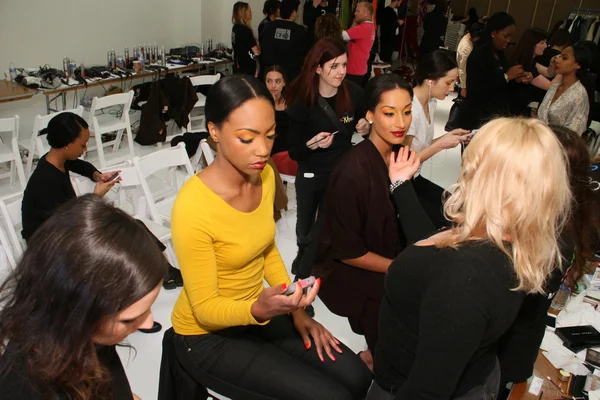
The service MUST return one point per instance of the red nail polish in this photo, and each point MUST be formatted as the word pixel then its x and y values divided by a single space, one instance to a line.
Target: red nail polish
pixel 307 345
pixel 284 286
pixel 334 358
pixel 319 282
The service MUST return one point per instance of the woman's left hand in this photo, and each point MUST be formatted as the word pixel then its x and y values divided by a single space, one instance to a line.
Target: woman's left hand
pixel 106 176
pixel 324 340
pixel 363 127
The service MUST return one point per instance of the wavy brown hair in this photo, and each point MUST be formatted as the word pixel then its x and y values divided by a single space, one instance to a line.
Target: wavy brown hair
pixel 583 224
pixel 85 264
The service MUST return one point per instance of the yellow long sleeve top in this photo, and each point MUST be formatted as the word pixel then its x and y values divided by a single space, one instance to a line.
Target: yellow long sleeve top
pixel 224 255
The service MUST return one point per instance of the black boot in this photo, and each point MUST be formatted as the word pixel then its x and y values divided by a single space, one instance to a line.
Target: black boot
pixel 173 279
pixel 157 327
pixel 298 259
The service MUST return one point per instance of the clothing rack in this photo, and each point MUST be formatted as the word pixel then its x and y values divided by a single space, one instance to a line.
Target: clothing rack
pixel 584 11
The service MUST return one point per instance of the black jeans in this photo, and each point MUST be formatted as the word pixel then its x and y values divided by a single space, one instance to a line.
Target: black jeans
pixel 270 362
pixel 430 197
pixel 488 390
pixel 310 199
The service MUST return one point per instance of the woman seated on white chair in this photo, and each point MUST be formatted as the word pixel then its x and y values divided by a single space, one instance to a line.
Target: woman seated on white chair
pixel 58 334
pixel 50 186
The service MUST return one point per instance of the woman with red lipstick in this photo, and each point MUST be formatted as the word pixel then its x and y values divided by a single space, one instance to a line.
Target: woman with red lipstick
pixel 488 74
pixel 232 334
pixel 324 111
pixel 362 232
pixel 434 78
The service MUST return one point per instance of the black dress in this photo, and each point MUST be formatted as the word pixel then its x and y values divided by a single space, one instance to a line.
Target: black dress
pixel 17 386
pixel 282 122
pixel 242 41
pixel 434 26
pixel 47 189
pixel 360 217
pixel 489 93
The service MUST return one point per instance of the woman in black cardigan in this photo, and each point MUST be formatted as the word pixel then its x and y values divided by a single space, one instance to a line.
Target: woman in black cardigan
pixel 488 75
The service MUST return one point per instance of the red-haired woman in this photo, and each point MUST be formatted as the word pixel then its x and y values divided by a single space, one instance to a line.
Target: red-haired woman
pixel 324 110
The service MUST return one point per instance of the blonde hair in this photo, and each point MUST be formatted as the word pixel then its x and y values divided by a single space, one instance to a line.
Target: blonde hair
pixel 239 12
pixel 513 186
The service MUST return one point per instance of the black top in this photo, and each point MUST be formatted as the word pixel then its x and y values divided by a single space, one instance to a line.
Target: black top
pixel 388 23
pixel 522 94
pixel 262 26
pixel 284 43
pixel 282 139
pixel 519 347
pixel 548 55
pixel 489 95
pixel 17 386
pixel 311 14
pixel 362 216
pixel 242 41
pixel 47 189
pixel 443 313
pixel 306 122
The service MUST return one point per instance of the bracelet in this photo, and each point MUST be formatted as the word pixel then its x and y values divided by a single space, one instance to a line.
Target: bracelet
pixel 506 77
pixel 395 185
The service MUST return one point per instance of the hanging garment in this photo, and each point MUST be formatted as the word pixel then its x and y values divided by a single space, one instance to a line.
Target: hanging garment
pixel 592 30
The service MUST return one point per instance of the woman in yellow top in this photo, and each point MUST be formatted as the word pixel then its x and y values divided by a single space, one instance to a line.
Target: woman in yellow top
pixel 232 334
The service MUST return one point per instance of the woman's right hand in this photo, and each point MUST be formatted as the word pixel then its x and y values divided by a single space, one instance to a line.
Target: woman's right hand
pixel 403 167
pixel 452 139
pixel 320 140
pixel 273 302
pixel 514 71
pixel 103 187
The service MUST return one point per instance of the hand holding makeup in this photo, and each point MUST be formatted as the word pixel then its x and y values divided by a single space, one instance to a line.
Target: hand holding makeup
pixel 273 302
pixel 321 140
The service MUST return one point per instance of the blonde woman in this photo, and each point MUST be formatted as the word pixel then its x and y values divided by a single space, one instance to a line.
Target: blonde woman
pixel 243 41
pixel 449 299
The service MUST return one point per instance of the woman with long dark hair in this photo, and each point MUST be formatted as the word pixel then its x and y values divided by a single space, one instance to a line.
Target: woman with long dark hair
pixel 533 89
pixel 488 74
pixel 559 40
pixel 519 347
pixel 276 81
pixel 567 103
pixel 367 224
pixel 434 79
pixel 86 281
pixel 232 334
pixel 243 41
pixel 324 110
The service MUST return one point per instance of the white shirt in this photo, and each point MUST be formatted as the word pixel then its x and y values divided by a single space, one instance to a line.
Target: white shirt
pixel 420 128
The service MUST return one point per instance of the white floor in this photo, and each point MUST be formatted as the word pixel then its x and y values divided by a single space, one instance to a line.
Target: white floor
pixel 142 366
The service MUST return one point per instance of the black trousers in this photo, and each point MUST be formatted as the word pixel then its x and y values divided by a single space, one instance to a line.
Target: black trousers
pixel 430 197
pixel 488 390
pixel 310 204
pixel 270 362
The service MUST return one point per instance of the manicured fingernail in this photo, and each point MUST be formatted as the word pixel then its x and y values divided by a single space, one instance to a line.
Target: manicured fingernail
pixel 318 281
pixel 284 286
pixel 322 360
pixel 307 345
pixel 333 358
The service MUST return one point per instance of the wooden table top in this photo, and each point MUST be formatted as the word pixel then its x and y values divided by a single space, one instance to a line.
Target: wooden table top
pixel 12 91
pixel 551 390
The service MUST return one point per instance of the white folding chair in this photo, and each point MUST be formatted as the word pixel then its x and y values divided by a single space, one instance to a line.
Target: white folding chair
pixel 131 191
pixel 10 212
pixel 164 162
pixel 199 81
pixel 6 254
pixel 9 150
pixel 107 123
pixel 208 153
pixel 37 146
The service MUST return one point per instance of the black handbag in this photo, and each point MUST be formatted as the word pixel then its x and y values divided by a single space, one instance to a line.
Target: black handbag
pixel 454 113
pixel 332 116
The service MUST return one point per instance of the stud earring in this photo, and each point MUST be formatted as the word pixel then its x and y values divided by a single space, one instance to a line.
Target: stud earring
pixel 370 122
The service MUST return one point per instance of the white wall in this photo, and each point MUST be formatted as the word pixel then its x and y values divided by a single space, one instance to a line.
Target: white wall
pixel 35 32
